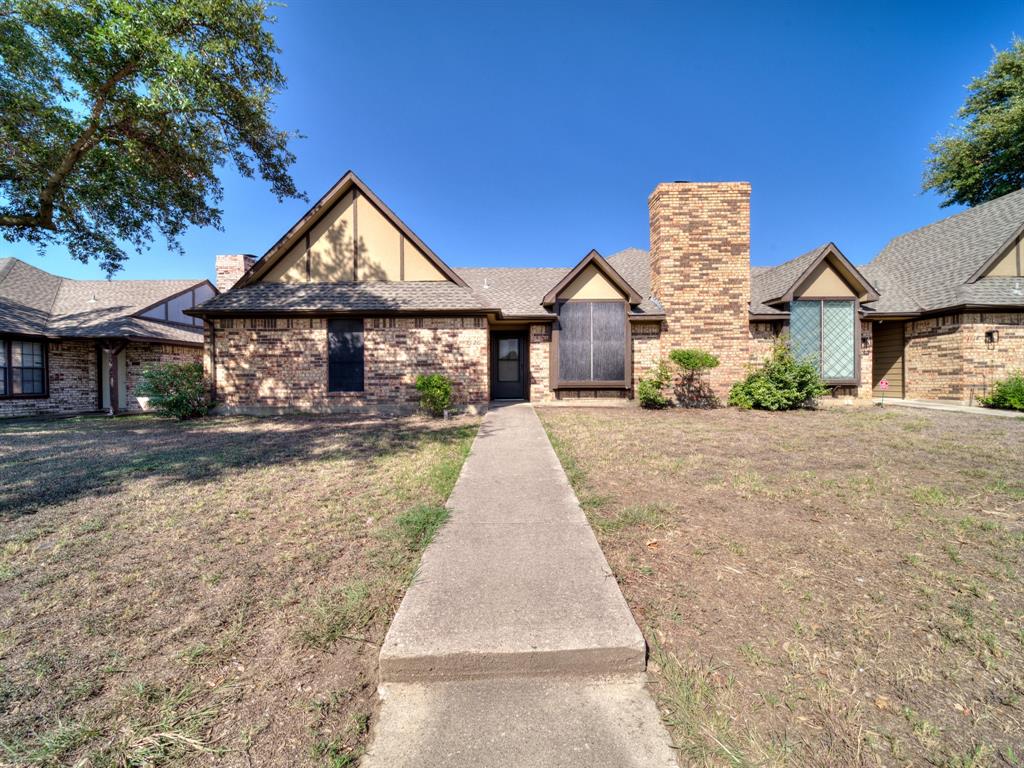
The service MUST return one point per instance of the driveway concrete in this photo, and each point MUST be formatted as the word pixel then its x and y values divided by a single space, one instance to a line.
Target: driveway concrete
pixel 514 645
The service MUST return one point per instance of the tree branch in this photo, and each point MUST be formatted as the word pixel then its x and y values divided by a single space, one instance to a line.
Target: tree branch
pixel 43 218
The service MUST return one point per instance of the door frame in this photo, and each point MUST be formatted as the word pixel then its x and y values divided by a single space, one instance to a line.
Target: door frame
pixel 494 337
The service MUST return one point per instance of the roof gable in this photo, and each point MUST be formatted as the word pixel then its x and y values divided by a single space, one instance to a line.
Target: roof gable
pixel 597 262
pixel 349 183
pixel 781 284
pixel 935 264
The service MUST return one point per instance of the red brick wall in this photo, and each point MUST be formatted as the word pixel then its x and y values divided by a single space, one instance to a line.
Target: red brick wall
pixel 280 364
pixel 700 271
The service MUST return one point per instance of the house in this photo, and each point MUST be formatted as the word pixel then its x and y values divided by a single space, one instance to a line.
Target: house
pixel 349 306
pixel 78 346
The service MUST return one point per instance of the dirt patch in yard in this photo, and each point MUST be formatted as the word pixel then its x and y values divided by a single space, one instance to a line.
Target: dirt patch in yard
pixel 833 588
pixel 207 593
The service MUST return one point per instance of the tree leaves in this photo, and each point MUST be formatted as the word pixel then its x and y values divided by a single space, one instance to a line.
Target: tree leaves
pixel 984 158
pixel 116 114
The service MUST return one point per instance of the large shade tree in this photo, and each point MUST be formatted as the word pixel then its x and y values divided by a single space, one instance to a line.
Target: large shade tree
pixel 984 157
pixel 115 116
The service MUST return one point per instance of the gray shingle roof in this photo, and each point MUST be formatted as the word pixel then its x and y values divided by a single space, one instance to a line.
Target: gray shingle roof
pixel 892 299
pixel 518 291
pixel 35 302
pixel 767 283
pixel 346 297
pixel 932 265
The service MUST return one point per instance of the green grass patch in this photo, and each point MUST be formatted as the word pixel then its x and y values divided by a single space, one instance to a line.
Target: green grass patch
pixel 641 515
pixel 419 525
pixel 337 615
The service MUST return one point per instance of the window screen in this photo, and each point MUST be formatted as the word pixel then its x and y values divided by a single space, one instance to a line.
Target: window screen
pixel 592 341
pixel 822 333
pixel 837 340
pixel 345 355
pixel 27 371
pixel 805 331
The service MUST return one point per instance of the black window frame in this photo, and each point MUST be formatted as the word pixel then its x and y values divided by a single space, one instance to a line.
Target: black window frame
pixel 7 371
pixel 555 373
pixel 334 385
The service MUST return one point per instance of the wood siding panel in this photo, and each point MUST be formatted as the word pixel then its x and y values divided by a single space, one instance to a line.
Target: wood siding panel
pixel 887 362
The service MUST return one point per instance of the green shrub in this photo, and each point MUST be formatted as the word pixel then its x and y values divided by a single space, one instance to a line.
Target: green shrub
pixel 176 389
pixel 693 360
pixel 649 390
pixel 435 393
pixel 781 384
pixel 692 390
pixel 1007 394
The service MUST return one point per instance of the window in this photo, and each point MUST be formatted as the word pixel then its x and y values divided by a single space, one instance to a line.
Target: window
pixel 508 360
pixel 592 341
pixel 825 334
pixel 22 368
pixel 345 355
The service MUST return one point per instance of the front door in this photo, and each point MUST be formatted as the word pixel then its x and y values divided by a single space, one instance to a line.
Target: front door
pixel 508 366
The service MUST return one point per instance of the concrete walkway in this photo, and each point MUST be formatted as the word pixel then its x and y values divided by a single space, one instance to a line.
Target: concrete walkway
pixel 938 405
pixel 514 645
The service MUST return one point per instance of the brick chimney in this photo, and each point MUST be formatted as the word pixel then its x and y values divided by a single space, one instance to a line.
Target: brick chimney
pixel 231 267
pixel 700 271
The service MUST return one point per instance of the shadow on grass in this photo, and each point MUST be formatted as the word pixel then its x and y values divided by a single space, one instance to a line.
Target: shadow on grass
pixel 47 463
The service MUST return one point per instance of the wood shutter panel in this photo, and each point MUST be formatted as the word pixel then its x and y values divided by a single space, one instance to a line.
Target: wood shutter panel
pixel 609 344
pixel 592 341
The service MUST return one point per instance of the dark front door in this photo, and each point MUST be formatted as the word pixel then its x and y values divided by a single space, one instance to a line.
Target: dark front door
pixel 508 366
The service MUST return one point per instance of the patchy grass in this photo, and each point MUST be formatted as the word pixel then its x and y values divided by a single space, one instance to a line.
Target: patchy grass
pixel 839 587
pixel 206 593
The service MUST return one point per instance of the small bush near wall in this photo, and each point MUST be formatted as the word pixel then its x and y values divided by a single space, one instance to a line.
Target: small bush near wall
pixel 649 390
pixel 782 384
pixel 1007 394
pixel 693 390
pixel 435 393
pixel 176 389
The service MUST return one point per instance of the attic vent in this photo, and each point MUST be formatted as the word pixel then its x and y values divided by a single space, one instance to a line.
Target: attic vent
pixel 93 299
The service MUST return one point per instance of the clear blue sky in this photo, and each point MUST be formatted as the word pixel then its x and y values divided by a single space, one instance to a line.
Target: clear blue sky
pixel 527 134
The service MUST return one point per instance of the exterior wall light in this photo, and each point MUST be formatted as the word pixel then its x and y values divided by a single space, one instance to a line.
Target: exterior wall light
pixel 991 337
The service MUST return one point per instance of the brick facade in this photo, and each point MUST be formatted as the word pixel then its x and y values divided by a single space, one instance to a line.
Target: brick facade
pixel 700 271
pixel 646 341
pixel 540 363
pixel 269 365
pixel 947 357
pixel 230 268
pixel 139 356
pixel 74 377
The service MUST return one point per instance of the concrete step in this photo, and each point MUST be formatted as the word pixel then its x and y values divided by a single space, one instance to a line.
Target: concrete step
pixel 515 582
pixel 519 723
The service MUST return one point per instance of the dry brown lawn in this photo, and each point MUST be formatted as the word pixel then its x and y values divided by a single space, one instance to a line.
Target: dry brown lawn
pixel 832 588
pixel 206 593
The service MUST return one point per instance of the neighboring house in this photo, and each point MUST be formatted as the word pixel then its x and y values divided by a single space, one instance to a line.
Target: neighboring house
pixel 349 306
pixel 79 346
